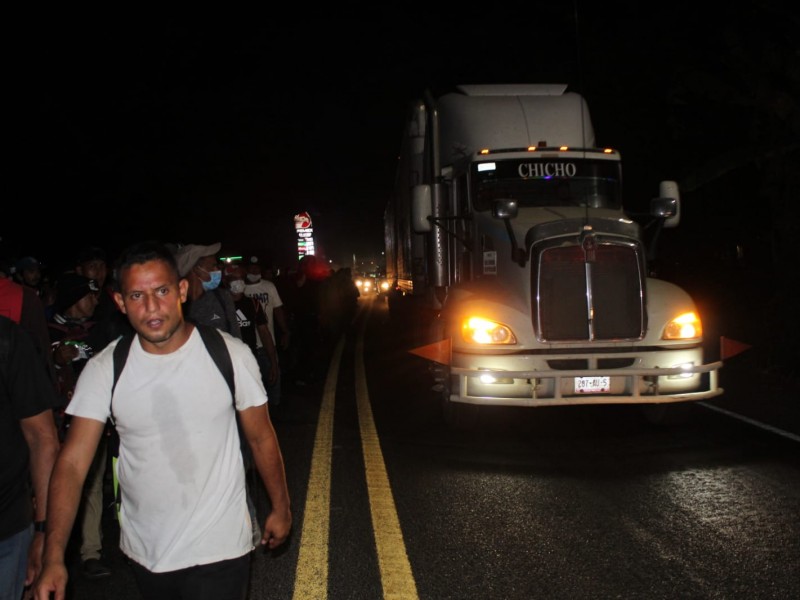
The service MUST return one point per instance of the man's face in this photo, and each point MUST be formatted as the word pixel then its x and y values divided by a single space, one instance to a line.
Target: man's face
pixel 84 307
pixel 151 295
pixel 32 276
pixel 93 269
pixel 204 266
pixel 233 273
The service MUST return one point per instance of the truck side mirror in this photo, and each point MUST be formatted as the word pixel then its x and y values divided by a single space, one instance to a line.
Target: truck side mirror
pixel 663 208
pixel 505 209
pixel 668 204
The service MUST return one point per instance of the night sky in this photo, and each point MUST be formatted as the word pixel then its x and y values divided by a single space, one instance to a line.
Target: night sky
pixel 222 131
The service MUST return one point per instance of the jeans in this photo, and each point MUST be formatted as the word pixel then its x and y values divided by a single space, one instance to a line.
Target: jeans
pixel 14 563
pixel 224 580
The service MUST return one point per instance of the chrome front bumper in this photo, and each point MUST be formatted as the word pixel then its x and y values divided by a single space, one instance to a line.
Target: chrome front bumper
pixel 639 384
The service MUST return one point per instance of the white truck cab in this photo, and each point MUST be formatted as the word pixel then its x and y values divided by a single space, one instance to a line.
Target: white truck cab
pixel 507 229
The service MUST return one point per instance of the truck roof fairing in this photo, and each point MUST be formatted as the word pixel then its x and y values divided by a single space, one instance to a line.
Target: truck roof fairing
pixel 512 116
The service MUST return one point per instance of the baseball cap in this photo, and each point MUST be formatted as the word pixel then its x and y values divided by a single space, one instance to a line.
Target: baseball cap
pixel 71 287
pixel 27 262
pixel 188 255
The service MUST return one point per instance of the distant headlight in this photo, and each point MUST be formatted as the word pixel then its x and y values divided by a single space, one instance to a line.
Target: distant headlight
pixel 483 331
pixel 385 286
pixel 684 327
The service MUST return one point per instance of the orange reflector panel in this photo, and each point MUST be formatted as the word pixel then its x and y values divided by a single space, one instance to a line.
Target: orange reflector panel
pixel 729 347
pixel 437 352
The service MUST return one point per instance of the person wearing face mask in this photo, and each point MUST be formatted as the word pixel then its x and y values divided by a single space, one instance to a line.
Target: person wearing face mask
pixel 266 293
pixel 206 301
pixel 253 324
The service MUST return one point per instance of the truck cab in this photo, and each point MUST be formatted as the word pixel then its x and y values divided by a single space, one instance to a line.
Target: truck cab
pixel 508 228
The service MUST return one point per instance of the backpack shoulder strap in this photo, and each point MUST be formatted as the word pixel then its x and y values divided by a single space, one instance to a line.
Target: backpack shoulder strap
pixel 219 352
pixel 120 357
pixel 223 306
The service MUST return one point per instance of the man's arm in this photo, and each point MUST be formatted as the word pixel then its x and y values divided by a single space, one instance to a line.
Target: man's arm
pixel 66 484
pixel 279 314
pixel 260 435
pixel 42 439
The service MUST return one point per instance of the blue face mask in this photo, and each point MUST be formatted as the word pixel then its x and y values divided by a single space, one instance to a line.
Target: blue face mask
pixel 216 277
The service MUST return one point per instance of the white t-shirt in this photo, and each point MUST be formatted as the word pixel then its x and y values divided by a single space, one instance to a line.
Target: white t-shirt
pixel 267 294
pixel 180 463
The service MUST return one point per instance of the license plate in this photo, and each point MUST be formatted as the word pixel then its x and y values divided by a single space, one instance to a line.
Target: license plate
pixel 592 385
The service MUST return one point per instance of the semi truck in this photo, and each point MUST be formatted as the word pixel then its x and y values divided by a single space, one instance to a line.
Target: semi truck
pixel 509 250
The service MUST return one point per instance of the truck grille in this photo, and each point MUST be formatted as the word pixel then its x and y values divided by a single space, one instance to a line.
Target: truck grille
pixel 590 288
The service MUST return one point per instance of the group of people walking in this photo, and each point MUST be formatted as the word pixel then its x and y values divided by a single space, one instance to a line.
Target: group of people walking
pixel 185 436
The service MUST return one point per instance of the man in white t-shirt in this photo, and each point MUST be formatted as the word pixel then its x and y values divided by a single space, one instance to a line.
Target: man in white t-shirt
pixel 267 294
pixel 184 520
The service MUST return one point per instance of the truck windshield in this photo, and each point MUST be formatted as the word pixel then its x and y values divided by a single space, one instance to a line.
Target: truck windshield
pixel 562 182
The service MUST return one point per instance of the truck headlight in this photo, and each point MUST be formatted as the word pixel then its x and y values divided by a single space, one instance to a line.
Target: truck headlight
pixel 684 327
pixel 484 331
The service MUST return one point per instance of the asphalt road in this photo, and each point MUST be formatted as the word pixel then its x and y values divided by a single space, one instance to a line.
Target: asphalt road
pixel 573 502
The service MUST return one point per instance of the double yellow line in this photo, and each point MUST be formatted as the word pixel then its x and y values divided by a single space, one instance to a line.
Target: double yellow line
pixel 311 577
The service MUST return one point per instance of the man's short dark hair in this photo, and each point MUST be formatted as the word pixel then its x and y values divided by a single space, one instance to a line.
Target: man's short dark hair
pixel 89 254
pixel 142 252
